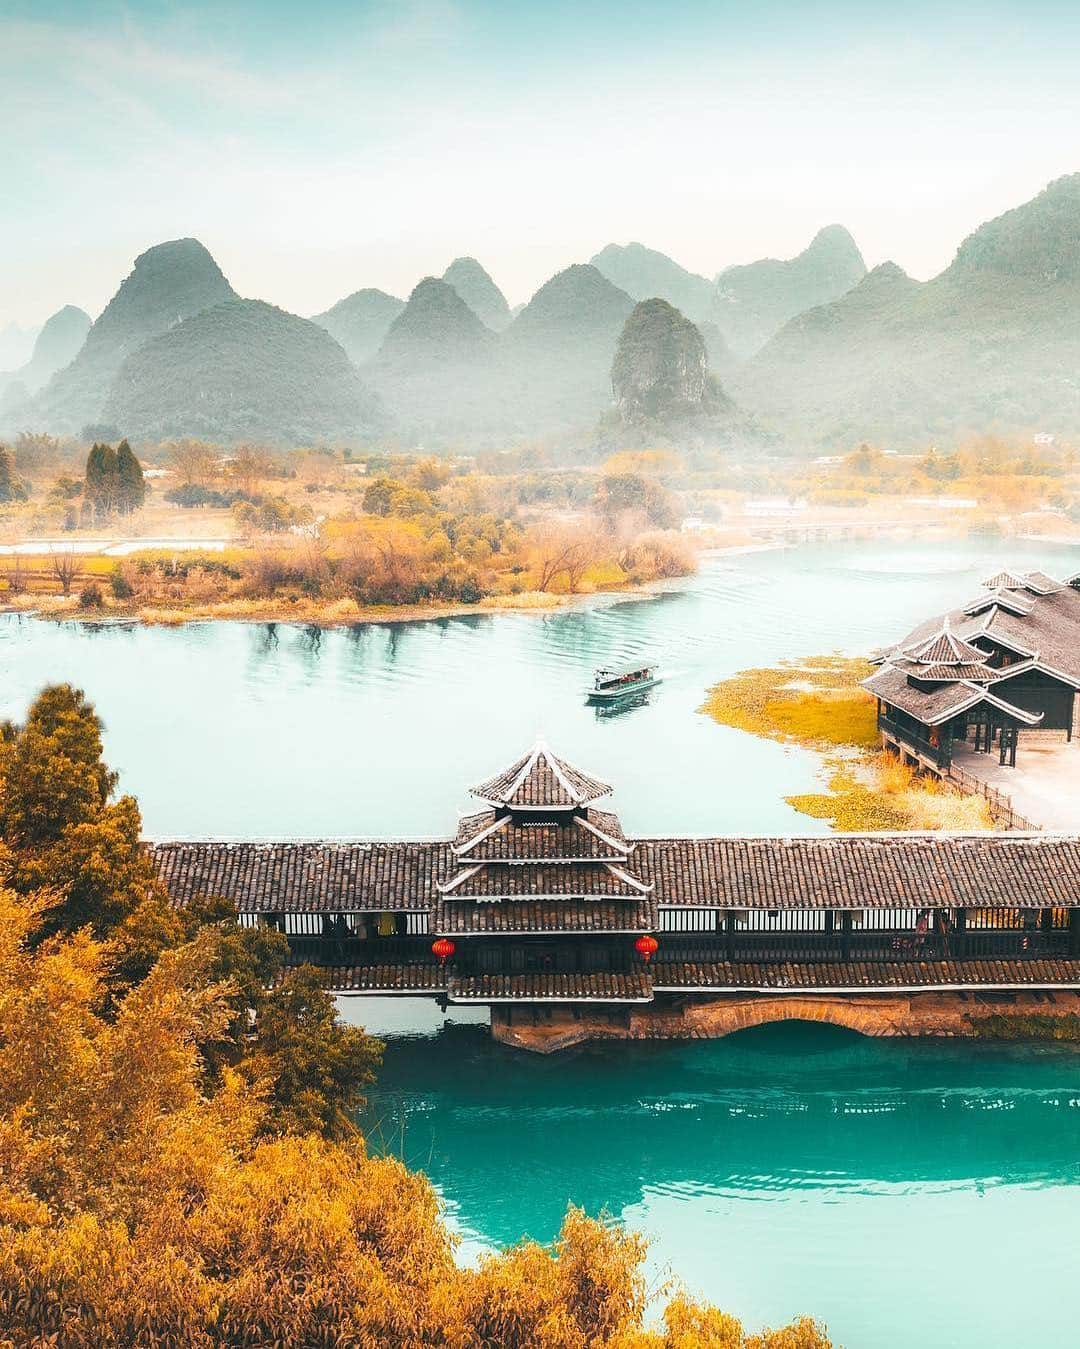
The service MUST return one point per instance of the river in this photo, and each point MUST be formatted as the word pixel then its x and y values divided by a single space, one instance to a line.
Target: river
pixel 905 1193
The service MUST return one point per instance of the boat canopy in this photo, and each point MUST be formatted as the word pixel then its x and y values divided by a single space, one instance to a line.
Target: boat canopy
pixel 621 671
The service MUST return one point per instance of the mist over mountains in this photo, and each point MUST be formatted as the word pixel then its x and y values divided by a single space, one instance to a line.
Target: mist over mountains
pixel 810 351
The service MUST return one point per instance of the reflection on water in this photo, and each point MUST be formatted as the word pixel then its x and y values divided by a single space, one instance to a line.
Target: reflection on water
pixel 787 1169
pixel 630 702
pixel 277 729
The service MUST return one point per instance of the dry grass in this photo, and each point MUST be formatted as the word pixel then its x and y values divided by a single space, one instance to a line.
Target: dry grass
pixel 879 792
pixel 818 704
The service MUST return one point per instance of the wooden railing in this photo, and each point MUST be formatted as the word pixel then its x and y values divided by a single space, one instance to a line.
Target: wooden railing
pixel 839 947
pixel 939 754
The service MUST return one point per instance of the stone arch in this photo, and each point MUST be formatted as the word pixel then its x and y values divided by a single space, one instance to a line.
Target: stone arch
pixel 728 1016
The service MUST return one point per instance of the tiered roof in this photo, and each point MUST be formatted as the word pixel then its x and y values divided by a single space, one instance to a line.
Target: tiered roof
pixel 542 859
pixel 943 668
pixel 540 781
pixel 944 647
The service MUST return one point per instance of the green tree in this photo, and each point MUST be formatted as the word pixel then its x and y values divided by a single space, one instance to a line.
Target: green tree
pixel 102 492
pixel 131 486
pixel 316 1065
pixel 12 487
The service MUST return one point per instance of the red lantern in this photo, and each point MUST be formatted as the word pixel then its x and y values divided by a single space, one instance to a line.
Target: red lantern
pixel 444 949
pixel 646 946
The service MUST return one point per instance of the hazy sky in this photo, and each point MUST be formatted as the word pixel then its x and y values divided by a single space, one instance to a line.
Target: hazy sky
pixel 319 147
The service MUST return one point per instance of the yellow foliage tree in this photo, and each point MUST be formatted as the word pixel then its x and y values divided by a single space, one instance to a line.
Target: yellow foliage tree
pixel 140 1206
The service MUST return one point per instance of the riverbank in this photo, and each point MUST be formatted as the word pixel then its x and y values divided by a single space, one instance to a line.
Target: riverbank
pixel 818 704
pixel 321 613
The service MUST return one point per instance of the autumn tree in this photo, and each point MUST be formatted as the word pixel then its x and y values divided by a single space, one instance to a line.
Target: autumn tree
pixel 12 487
pixel 64 831
pixel 194 462
pixel 144 1201
pixel 562 551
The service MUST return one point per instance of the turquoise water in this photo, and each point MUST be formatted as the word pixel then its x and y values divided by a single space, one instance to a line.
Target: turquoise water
pixel 269 730
pixel 907 1194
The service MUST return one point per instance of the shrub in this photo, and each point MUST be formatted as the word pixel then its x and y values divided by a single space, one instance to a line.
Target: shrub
pixel 90 597
pixel 121 587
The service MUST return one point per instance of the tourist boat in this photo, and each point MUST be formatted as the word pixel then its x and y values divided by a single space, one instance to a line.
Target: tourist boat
pixel 611 682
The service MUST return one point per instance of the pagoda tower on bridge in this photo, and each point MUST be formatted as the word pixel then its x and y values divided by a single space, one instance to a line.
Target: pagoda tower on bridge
pixel 542 862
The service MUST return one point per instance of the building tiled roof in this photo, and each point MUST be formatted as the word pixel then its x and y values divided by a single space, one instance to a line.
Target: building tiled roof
pixel 980 672
pixel 551 987
pixel 540 781
pixel 1005 579
pixel 677 975
pixel 1041 584
pixel 496 880
pixel 943 647
pixel 455 918
pixel 857 871
pixel 491 838
pixel 1015 601
pixel 1050 629
pixel 306 877
pixel 936 705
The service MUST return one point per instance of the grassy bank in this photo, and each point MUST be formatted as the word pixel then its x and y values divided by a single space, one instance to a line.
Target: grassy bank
pixel 1063 1029
pixel 818 704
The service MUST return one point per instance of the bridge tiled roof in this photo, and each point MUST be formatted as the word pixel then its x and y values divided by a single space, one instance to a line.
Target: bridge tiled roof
pixel 605 986
pixel 862 871
pixel 836 871
pixel 406 977
pixel 677 975
pixel 456 918
pixel 306 877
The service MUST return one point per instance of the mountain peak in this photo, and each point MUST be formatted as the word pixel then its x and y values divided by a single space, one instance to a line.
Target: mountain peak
pixel 754 301
pixel 479 292
pixel 436 326
pixel 579 299
pixel 1039 239
pixel 660 370
pixel 361 321
pixel 240 370
pixel 643 273
pixel 168 283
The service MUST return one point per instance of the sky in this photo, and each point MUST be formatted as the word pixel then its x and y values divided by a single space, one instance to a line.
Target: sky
pixel 319 147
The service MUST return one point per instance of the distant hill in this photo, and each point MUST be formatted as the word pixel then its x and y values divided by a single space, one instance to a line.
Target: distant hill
pixel 168 284
pixel 360 322
pixel 555 358
pixel 242 370
pixel 57 343
pixel 660 368
pixel 16 345
pixel 643 273
pixel 992 344
pixel 433 369
pixel 754 301
pixel 479 292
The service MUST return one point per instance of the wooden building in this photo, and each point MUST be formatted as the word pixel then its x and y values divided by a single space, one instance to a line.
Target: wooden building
pixel 1004 667
pixel 540 899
